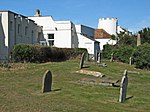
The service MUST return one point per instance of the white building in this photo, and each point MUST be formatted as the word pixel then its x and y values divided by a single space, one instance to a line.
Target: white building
pixel 65 34
pixel 57 33
pixel 86 39
pixel 106 28
pixel 16 29
pixel 109 25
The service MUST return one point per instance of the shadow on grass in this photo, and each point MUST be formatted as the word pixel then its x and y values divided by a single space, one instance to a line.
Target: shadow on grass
pixel 86 67
pixel 56 90
pixel 116 85
pixel 129 97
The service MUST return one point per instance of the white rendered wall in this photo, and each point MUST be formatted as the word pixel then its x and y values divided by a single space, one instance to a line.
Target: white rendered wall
pixel 87 43
pixel 9 34
pixel 105 41
pixel 64 31
pixel 109 25
pixel 46 22
pixel 3 35
pixel 85 37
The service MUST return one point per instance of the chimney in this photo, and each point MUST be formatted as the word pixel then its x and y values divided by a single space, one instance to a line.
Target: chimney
pixel 37 13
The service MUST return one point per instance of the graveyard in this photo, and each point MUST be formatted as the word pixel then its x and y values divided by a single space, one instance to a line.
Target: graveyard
pixel 21 88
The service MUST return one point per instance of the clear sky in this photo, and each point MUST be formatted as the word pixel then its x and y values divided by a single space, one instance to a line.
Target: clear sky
pixel 132 14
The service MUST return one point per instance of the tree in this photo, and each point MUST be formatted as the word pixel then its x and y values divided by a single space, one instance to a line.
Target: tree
pixel 141 56
pixel 145 35
pixel 125 39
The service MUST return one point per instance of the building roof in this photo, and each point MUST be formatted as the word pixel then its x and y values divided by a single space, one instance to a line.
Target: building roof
pixel 101 34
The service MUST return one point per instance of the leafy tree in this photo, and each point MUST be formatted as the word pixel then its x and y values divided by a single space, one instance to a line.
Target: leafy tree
pixel 142 56
pixel 145 35
pixel 125 39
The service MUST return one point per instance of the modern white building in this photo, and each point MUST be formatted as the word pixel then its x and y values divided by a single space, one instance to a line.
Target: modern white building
pixel 65 34
pixel 57 33
pixel 86 39
pixel 17 29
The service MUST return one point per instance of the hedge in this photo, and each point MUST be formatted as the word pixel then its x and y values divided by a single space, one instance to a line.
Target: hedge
pixel 37 53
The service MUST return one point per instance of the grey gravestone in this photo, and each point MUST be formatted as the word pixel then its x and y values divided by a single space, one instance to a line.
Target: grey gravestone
pixel 123 87
pixel 88 57
pixel 138 40
pixel 130 61
pixel 82 60
pixel 99 57
pixel 112 57
pixel 96 56
pixel 47 82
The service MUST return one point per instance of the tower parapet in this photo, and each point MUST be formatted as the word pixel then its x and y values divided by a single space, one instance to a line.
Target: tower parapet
pixel 109 25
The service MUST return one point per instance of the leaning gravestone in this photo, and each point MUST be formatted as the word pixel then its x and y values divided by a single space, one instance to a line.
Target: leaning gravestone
pixel 99 57
pixel 112 57
pixel 130 61
pixel 47 82
pixel 123 87
pixel 82 60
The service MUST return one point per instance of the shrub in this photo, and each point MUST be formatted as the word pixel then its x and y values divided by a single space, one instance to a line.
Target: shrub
pixel 123 53
pixel 72 53
pixel 107 51
pixel 142 56
pixel 32 53
pixel 23 52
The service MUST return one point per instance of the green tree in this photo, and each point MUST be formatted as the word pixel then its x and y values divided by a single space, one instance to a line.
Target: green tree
pixel 125 39
pixel 145 35
pixel 142 56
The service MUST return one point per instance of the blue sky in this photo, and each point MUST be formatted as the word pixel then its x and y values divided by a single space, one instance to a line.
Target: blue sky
pixel 132 14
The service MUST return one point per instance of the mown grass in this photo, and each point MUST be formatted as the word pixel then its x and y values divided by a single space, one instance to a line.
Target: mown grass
pixel 20 89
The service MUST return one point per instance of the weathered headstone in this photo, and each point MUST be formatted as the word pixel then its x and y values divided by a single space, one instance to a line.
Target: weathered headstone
pixel 123 87
pixel 88 57
pixel 99 57
pixel 82 60
pixel 130 61
pixel 47 82
pixel 96 56
pixel 112 57
pixel 138 40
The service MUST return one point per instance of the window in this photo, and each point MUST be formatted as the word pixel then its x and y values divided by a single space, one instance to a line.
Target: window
pixel 50 36
pixel 19 26
pixel 26 30
pixel 32 34
pixel 11 25
pixel 51 42
pixel 51 39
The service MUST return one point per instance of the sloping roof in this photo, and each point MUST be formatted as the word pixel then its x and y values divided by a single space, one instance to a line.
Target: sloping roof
pixel 101 34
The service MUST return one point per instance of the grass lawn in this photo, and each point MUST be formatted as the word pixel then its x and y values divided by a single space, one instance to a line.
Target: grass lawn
pixel 20 89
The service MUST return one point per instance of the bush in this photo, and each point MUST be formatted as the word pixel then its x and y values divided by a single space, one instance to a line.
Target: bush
pixel 123 53
pixel 72 53
pixel 107 51
pixel 22 52
pixel 142 56
pixel 31 53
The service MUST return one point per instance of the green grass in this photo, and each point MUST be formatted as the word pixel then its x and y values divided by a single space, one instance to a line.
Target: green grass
pixel 20 89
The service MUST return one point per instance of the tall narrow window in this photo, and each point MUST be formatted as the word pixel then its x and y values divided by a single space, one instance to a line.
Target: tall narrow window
pixel 51 39
pixel 19 26
pixel 26 30
pixel 11 25
pixel 32 34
